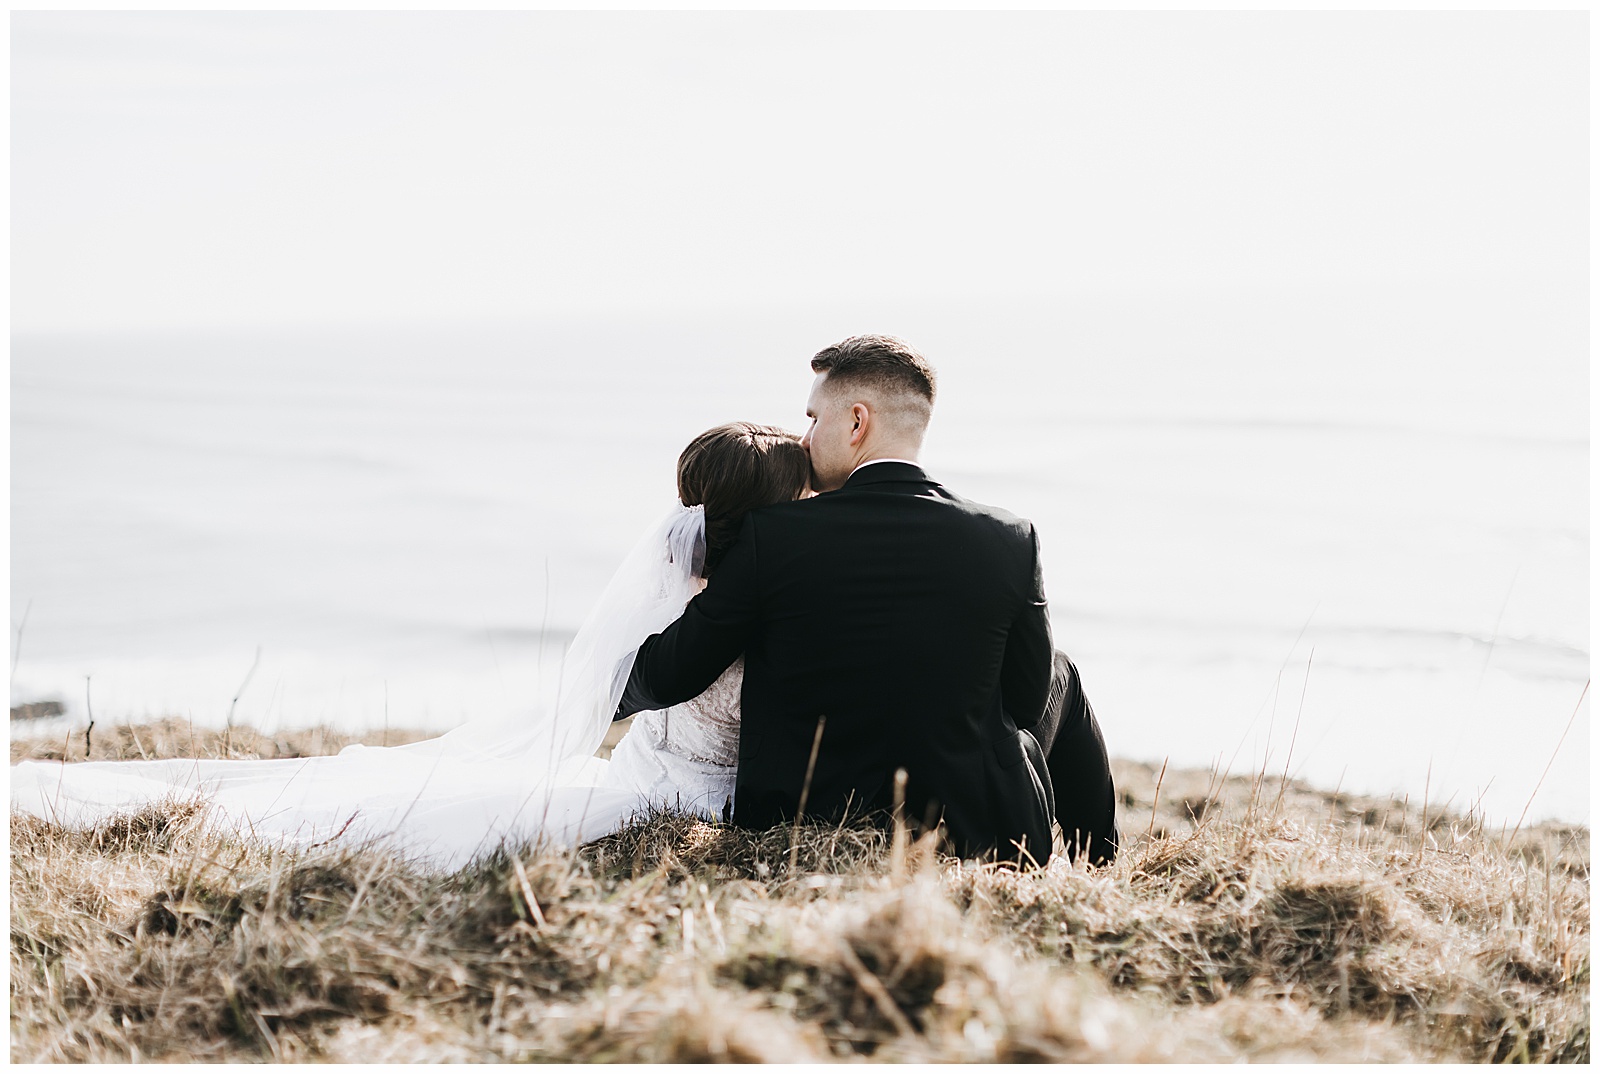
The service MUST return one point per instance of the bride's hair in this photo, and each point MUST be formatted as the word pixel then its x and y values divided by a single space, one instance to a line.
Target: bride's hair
pixel 734 469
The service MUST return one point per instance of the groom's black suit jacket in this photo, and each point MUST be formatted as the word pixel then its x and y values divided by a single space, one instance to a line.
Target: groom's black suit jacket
pixel 915 621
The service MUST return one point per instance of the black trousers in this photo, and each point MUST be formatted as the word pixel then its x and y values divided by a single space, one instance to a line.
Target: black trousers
pixel 1080 771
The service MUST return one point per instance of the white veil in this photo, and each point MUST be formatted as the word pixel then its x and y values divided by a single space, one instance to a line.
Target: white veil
pixel 444 798
pixel 647 592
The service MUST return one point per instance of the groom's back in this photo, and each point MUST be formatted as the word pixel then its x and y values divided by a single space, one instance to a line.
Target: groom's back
pixel 913 621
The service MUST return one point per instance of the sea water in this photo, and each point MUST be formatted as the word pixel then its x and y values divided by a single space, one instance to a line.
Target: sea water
pixel 1340 534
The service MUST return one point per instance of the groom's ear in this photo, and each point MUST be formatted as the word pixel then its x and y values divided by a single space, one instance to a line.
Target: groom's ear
pixel 863 420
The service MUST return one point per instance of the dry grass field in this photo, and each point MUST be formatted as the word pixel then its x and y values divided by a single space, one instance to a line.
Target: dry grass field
pixel 1246 919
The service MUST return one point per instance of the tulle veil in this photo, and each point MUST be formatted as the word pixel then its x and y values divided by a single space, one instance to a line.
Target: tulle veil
pixel 444 799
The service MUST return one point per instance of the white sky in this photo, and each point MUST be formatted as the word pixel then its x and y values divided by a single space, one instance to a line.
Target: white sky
pixel 239 169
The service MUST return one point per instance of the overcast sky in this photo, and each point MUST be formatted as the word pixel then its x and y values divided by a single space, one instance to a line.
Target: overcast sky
pixel 243 169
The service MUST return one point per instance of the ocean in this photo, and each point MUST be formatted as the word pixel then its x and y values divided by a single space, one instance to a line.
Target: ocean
pixel 1341 533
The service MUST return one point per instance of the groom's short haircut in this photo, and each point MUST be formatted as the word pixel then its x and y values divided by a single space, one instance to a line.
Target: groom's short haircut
pixel 890 365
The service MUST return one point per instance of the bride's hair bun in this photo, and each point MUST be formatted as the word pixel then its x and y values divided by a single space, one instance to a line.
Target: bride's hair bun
pixel 735 468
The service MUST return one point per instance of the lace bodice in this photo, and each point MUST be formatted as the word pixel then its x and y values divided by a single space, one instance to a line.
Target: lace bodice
pixel 705 728
pixel 685 756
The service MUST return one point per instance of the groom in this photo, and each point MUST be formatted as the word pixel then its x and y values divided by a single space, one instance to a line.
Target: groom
pixel 888 624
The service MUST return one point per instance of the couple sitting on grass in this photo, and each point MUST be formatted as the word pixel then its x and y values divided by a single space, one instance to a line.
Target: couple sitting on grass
pixel 815 617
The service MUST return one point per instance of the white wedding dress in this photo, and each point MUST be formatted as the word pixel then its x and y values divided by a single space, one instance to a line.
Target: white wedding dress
pixel 446 800
pixel 684 758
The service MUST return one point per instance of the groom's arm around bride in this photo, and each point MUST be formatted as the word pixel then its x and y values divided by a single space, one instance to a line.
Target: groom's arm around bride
pixel 913 620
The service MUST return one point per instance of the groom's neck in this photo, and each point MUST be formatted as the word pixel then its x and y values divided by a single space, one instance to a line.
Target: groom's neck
pixel 887 455
pixel 900 448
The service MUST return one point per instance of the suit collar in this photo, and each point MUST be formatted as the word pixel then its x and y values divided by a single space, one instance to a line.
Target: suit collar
pixel 885 472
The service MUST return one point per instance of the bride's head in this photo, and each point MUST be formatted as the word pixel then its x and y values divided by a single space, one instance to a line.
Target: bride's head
pixel 735 468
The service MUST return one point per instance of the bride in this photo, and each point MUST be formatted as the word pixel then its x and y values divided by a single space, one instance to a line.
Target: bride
pixel 444 801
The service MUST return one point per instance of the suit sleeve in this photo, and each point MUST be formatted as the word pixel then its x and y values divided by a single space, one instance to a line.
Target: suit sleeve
pixel 688 656
pixel 1030 653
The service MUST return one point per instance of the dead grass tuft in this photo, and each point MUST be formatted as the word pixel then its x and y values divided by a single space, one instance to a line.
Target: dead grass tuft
pixel 172 737
pixel 1296 932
